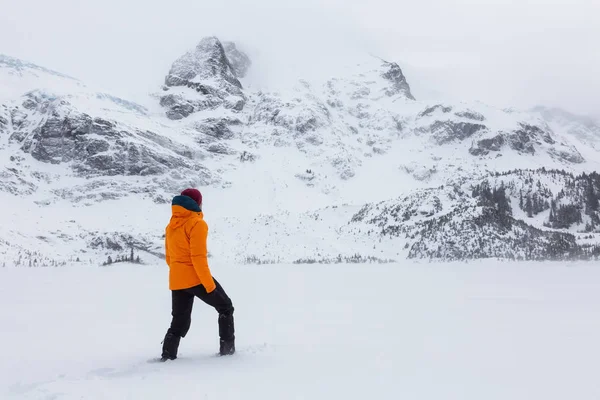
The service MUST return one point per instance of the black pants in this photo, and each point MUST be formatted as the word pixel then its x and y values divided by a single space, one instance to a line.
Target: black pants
pixel 183 301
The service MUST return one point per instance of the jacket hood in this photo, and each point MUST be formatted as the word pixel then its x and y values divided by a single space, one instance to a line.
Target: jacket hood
pixel 186 202
pixel 182 208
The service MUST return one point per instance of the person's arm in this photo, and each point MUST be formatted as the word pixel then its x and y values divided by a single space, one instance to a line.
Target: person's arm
pixel 199 253
pixel 167 257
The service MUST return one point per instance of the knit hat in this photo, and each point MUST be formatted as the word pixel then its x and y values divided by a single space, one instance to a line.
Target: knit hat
pixel 194 194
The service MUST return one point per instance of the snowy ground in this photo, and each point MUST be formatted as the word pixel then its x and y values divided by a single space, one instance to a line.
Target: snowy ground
pixel 413 331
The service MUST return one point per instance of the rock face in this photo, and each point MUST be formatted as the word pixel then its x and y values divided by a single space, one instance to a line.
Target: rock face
pixel 447 131
pixel 469 114
pixel 4 120
pixel 527 139
pixel 202 79
pixel 399 84
pixel 485 146
pixel 53 131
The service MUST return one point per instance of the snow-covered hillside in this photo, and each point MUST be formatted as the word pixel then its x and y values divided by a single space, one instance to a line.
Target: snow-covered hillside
pixel 288 175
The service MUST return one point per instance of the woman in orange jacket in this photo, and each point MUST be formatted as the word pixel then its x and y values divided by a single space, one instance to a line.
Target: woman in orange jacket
pixel 190 276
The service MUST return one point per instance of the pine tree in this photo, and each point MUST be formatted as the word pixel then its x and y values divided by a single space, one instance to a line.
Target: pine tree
pixel 109 261
pixel 131 256
pixel 521 199
pixel 529 207
pixel 591 200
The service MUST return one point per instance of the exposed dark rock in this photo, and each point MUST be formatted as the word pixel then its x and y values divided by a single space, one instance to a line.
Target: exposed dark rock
pixel 29 104
pixel 569 154
pixel 207 71
pixel 18 120
pixel 93 146
pixel 178 106
pixel 448 131
pixel 483 147
pixel 521 142
pixel 399 83
pixel 534 133
pixel 206 61
pixel 220 148
pixel 3 124
pixel 217 128
pixel 12 181
pixel 469 114
pixel 246 156
pixel 430 110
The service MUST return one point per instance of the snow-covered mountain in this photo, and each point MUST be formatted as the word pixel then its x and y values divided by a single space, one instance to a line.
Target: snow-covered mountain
pixel 350 167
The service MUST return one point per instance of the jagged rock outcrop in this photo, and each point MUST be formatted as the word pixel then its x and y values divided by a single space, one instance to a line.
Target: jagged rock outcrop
pixel 4 120
pixel 202 79
pixel 206 62
pixel 438 108
pixel 524 138
pixel 443 127
pixel 217 129
pixel 399 84
pixel 567 153
pixel 485 146
pixel 527 139
pixel 447 131
pixel 53 131
pixel 470 114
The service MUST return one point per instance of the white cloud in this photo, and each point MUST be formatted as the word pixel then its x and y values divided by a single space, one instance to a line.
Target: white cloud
pixel 504 52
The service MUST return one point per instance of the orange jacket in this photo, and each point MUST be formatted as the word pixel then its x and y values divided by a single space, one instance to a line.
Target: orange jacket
pixel 185 246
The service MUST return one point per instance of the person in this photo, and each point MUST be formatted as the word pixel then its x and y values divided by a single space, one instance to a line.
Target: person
pixel 190 275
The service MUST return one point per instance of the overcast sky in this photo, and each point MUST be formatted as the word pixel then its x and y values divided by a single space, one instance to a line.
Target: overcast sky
pixel 503 52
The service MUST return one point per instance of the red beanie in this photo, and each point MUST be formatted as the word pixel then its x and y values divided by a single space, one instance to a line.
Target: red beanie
pixel 194 194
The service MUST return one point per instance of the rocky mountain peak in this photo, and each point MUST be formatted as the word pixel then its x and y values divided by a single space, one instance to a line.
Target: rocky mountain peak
pixel 206 62
pixel 393 73
pixel 202 79
pixel 433 175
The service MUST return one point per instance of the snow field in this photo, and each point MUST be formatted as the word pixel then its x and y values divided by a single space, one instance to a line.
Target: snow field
pixel 485 330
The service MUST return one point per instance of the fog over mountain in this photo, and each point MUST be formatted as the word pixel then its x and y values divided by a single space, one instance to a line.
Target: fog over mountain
pixel 500 52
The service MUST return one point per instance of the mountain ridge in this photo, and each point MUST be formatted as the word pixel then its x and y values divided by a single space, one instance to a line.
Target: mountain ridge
pixel 355 138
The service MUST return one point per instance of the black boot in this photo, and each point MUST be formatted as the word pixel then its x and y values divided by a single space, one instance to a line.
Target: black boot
pixel 170 347
pixel 226 334
pixel 226 347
